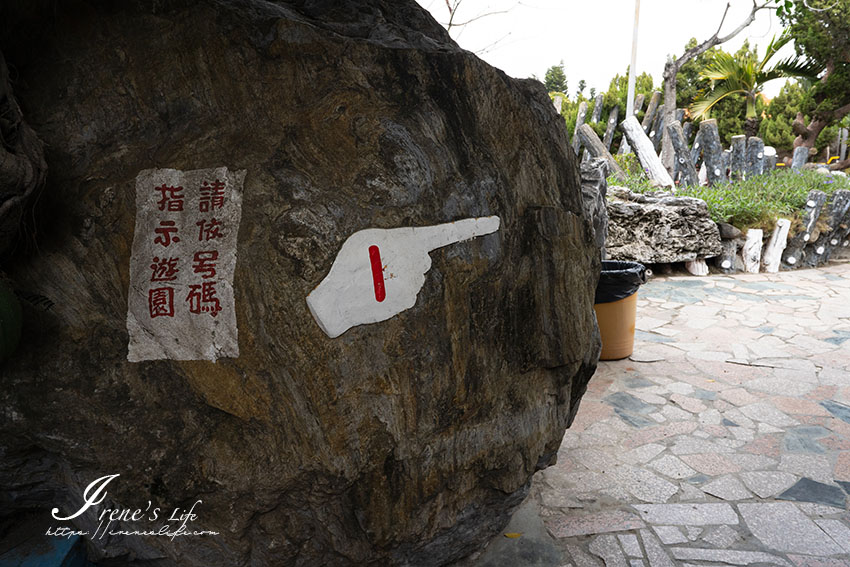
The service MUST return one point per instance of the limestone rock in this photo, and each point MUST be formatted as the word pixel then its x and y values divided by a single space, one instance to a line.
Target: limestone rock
pixel 594 188
pixel 659 228
pixel 407 441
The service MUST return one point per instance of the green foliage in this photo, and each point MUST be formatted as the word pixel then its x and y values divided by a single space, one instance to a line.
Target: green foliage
pixel 690 86
pixel 821 31
pixel 556 79
pixel 743 74
pixel 618 90
pixel 581 86
pixel 756 202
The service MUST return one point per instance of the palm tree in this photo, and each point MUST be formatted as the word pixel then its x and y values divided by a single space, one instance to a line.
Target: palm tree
pixel 743 75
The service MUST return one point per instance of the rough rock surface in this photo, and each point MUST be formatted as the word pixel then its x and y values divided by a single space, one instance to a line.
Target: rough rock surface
pixel 594 188
pixel 659 228
pixel 407 441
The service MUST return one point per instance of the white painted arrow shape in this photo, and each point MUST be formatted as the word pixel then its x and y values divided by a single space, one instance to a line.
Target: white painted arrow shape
pixel 378 273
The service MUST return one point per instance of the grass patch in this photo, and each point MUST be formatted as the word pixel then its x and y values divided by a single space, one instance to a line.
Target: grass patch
pixel 756 202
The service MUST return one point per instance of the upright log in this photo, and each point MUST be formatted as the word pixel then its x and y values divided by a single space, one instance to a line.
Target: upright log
pixel 712 151
pixel 755 156
pixel 738 160
pixel 597 109
pixel 639 99
pixel 696 149
pixel 687 171
pixel 595 148
pixel 624 144
pixel 793 256
pixel 688 129
pixel 839 221
pixel 776 246
pixel 645 152
pixel 697 267
pixel 769 159
pixel 751 252
pixel 657 132
pixel 801 156
pixel 558 101
pixel 651 110
pixel 612 125
pixel 582 116
pixel 726 260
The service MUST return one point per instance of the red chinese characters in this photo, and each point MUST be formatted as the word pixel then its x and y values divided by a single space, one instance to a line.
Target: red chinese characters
pixel 166 233
pixel 171 199
pixel 164 269
pixel 209 229
pixel 161 302
pixel 167 272
pixel 204 263
pixel 212 196
pixel 202 299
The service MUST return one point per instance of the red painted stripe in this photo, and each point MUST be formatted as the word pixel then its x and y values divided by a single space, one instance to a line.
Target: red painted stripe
pixel 377 273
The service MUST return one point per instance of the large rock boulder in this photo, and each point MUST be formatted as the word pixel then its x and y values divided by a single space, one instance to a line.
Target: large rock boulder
pixel 659 228
pixel 407 441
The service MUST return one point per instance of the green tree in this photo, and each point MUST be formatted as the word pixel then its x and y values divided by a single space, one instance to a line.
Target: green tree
pixel 821 31
pixel 616 96
pixel 555 79
pixel 743 74
pixel 592 92
pixel 581 87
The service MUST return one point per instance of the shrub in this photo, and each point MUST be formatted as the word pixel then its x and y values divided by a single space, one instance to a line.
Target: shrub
pixel 756 202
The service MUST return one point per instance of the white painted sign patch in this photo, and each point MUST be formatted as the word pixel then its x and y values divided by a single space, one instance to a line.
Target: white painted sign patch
pixel 180 301
pixel 379 272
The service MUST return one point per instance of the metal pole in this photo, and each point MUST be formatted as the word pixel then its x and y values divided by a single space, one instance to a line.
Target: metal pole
pixel 630 99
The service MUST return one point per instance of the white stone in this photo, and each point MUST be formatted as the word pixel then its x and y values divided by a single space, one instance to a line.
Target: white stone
pixel 728 488
pixel 670 534
pixel 773 250
pixel 783 527
pixel 688 514
pixel 378 273
pixel 180 303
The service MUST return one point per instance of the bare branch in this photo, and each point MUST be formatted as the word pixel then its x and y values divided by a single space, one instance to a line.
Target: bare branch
pixel 478 17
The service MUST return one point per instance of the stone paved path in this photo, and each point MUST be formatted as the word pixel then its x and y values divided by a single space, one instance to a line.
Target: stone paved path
pixel 724 439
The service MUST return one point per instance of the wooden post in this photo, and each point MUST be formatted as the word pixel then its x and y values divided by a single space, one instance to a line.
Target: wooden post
pixel 582 116
pixel 769 159
pixel 696 149
pixel 712 151
pixel 683 156
pixel 597 110
pixel 645 152
pixel 612 124
pixel 697 267
pixel 755 156
pixel 776 246
pixel 595 148
pixel 739 159
pixel 649 117
pixel 727 160
pixel 688 128
pixel 657 132
pixel 558 101
pixel 726 260
pixel 839 220
pixel 751 252
pixel 801 156
pixel 793 256
pixel 624 144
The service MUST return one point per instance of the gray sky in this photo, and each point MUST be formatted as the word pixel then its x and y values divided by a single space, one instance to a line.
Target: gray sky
pixel 594 37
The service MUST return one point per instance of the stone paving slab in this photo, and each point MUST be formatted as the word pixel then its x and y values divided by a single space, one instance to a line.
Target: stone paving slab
pixel 723 440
